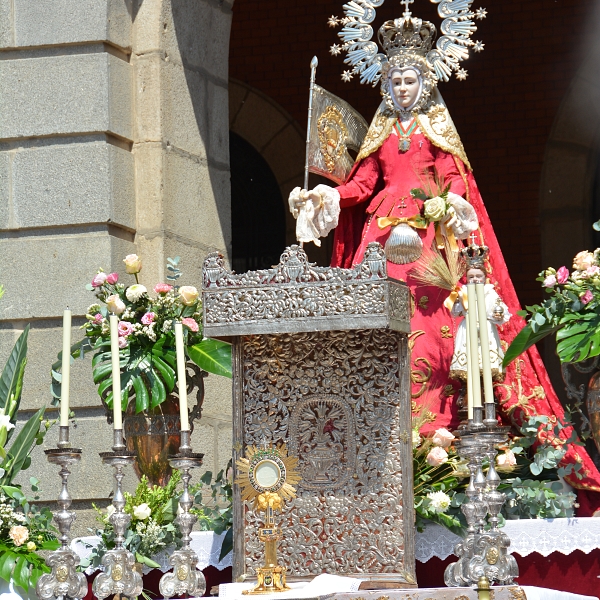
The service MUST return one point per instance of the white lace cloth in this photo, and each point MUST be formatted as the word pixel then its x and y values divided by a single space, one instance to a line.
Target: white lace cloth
pixel 543 536
pixel 205 544
pixel 314 221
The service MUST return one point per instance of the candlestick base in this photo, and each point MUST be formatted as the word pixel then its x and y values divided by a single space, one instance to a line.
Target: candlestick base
pixel 120 576
pixel 186 578
pixel 63 579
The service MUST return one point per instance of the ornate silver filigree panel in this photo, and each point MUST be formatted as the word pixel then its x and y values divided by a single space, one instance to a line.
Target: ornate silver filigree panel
pixel 298 296
pixel 341 401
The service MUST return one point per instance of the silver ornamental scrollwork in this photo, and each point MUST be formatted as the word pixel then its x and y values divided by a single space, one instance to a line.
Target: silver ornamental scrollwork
pixel 399 303
pixel 185 577
pixel 119 577
pixel 63 580
pixel 349 524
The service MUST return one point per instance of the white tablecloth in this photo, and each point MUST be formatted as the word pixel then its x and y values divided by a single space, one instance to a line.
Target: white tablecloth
pixel 205 544
pixel 543 536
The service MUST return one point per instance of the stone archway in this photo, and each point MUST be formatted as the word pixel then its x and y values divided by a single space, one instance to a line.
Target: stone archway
pixel 280 140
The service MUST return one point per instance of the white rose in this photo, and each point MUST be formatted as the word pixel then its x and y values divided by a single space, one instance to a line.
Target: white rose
pixel 508 459
pixel 115 304
pixel 133 264
pixel 135 292
pixel 188 294
pixel 110 509
pixel 435 208
pixel 416 439
pixel 142 512
pixel 442 437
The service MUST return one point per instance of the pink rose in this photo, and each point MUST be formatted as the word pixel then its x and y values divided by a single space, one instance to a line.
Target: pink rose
pixel 112 278
pixel 148 318
pixel 99 279
pixel 190 324
pixel 125 328
pixel 162 288
pixel 587 297
pixel 507 459
pixel 18 534
pixel 442 437
pixel 591 271
pixel 437 456
pixel 123 344
pixel 98 318
pixel 562 275
pixel 550 281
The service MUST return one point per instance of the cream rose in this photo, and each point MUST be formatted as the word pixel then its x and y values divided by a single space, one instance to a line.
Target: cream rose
pixel 437 456
pixel 115 304
pixel 133 264
pixel 142 512
pixel 188 294
pixel 435 208
pixel 583 260
pixel 508 459
pixel 110 510
pixel 442 437
pixel 18 534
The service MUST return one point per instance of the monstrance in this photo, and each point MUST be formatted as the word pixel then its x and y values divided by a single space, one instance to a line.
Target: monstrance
pixel 266 477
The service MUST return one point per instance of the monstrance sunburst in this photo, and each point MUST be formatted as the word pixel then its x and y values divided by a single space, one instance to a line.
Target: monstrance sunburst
pixel 266 477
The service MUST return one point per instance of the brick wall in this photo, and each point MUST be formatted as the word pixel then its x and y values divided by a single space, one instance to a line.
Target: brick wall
pixel 504 111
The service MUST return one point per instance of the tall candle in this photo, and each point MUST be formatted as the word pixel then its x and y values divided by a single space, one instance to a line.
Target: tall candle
pixel 474 343
pixel 486 368
pixel 116 372
pixel 65 370
pixel 469 374
pixel 181 377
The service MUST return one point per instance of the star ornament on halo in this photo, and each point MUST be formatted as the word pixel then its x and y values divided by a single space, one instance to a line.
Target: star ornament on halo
pixel 478 46
pixel 333 21
pixel 335 49
pixel 461 74
pixel 481 13
pixel 347 76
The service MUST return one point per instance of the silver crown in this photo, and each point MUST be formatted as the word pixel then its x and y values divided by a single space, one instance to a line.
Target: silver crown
pixel 407 35
pixel 475 256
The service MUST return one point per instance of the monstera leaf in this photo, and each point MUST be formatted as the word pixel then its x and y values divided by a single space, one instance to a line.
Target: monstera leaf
pixel 11 380
pixel 213 356
pixel 147 373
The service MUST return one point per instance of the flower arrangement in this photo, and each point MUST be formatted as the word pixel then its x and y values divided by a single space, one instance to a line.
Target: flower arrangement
pixel 146 336
pixel 152 528
pixel 570 312
pixel 528 466
pixel 24 528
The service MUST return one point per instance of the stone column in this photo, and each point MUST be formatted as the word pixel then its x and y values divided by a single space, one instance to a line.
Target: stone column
pixel 113 139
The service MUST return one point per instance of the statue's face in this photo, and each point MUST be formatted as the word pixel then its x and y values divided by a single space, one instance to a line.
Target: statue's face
pixel 475 276
pixel 405 87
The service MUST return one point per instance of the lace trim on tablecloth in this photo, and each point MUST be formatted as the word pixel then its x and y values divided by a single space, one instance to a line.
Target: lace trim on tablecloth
pixel 543 536
pixel 205 544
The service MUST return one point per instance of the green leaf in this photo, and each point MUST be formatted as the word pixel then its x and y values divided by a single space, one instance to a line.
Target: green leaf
pixel 11 380
pixel 525 339
pixel 21 447
pixel 419 193
pixel 227 545
pixel 7 564
pixel 213 356
pixel 21 573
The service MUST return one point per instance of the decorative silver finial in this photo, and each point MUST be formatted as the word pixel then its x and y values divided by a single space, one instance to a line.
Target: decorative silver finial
pixel 407 12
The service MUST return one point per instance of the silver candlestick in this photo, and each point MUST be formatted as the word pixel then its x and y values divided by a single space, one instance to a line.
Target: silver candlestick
pixel 63 580
pixel 483 554
pixel 119 576
pixel 185 578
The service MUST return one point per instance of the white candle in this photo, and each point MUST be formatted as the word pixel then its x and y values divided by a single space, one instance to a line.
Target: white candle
pixel 473 337
pixel 65 370
pixel 116 372
pixel 486 367
pixel 469 374
pixel 181 377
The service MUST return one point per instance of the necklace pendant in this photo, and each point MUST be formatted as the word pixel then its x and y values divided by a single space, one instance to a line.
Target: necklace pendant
pixel 404 144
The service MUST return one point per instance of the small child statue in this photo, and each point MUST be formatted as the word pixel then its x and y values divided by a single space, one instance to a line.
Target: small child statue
pixel 497 314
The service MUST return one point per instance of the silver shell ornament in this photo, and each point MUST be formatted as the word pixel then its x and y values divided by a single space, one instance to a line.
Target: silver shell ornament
pixel 404 245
